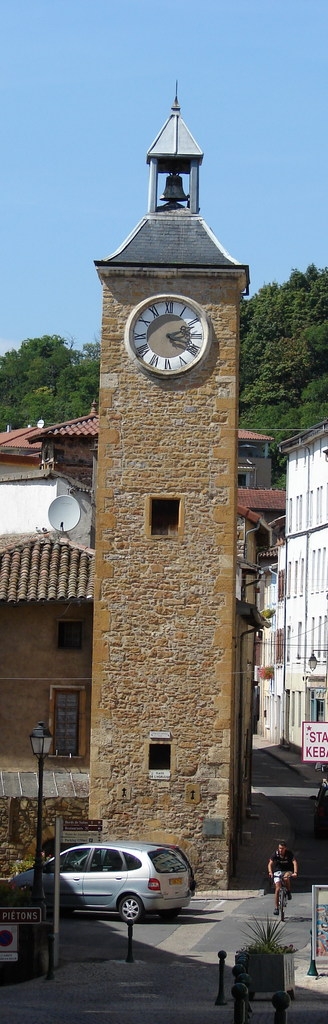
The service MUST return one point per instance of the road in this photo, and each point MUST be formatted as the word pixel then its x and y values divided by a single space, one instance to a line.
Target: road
pixel 174 974
pixel 208 925
pixel 294 796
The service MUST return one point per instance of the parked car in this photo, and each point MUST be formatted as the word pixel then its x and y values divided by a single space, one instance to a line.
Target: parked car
pixel 320 821
pixel 181 853
pixel 132 879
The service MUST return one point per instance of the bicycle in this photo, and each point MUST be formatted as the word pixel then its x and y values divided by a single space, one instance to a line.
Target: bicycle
pixel 282 894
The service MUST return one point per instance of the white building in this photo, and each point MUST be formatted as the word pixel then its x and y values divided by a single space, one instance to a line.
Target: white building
pixel 303 580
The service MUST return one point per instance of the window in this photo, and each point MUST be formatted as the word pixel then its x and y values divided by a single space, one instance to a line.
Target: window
pixel 319 636
pixel 290 514
pixel 281 584
pixel 289 633
pixel 299 709
pixel 299 639
pixel 300 518
pixel 295 578
pixel 310 508
pixel 70 634
pixel 159 756
pixel 66 722
pixel 164 517
pixel 318 578
pixel 302 577
pixel 289 575
pixel 323 573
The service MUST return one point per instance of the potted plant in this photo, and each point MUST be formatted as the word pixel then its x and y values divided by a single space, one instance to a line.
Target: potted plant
pixel 271 961
pixel 266 672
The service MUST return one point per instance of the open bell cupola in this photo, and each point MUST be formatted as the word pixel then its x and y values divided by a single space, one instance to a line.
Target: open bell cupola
pixel 174 152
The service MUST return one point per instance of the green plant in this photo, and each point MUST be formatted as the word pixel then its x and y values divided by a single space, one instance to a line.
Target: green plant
pixel 11 896
pixel 265 937
pixel 22 864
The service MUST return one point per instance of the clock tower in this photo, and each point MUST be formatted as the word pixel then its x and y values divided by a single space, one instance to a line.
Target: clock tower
pixel 162 737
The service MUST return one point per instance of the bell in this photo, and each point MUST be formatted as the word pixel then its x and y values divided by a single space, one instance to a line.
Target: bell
pixel 173 192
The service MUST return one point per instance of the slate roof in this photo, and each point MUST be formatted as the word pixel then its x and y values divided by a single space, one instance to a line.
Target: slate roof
pixel 46 569
pixel 174 238
pixel 61 784
pixel 262 497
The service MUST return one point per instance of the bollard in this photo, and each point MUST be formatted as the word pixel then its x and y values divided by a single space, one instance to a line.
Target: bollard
pixel 239 993
pixel 312 972
pixel 237 970
pixel 220 1000
pixel 242 958
pixel 51 948
pixel 245 979
pixel 129 959
pixel 280 1001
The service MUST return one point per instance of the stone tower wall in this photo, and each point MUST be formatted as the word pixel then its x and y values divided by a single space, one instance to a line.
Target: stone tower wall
pixel 164 628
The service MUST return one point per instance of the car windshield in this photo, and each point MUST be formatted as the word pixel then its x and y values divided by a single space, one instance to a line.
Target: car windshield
pixel 166 861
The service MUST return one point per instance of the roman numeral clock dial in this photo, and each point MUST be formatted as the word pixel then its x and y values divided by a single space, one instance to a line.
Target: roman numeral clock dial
pixel 167 335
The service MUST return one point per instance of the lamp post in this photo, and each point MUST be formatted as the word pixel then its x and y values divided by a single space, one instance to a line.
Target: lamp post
pixel 41 740
pixel 312 662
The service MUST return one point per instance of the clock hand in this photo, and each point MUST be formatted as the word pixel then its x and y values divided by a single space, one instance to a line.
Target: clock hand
pixel 182 335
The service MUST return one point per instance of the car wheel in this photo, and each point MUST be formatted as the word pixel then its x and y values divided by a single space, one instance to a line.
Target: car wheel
pixel 131 909
pixel 169 915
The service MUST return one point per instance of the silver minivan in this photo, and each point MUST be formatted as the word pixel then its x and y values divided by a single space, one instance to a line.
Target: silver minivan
pixel 132 879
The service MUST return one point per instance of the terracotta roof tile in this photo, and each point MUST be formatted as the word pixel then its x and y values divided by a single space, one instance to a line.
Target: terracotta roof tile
pixel 249 435
pixel 46 569
pixel 84 426
pixel 262 497
pixel 20 439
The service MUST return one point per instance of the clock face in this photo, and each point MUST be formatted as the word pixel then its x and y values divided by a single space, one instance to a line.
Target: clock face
pixel 167 335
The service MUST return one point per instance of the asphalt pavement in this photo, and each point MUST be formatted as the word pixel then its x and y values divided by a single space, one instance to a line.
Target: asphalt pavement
pixel 177 982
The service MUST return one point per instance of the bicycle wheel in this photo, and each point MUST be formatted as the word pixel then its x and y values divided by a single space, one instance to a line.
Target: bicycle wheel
pixel 282 903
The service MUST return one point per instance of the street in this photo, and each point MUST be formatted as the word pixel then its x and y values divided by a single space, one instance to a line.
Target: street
pixel 174 973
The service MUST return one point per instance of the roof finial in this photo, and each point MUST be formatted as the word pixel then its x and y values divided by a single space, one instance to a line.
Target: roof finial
pixel 176 105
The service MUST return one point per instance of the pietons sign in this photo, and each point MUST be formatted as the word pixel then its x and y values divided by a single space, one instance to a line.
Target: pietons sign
pixel 315 742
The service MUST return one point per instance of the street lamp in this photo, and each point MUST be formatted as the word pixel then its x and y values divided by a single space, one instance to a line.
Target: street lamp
pixel 312 662
pixel 41 740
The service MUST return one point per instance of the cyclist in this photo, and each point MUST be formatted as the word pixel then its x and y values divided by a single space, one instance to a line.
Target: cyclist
pixel 282 865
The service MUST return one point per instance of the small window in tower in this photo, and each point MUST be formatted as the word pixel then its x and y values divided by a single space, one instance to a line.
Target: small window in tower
pixel 165 516
pixel 70 634
pixel 159 756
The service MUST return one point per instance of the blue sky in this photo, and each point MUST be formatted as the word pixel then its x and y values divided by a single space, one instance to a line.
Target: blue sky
pixel 86 86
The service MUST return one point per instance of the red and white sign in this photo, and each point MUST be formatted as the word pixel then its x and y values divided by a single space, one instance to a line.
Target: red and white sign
pixel 8 942
pixel 315 742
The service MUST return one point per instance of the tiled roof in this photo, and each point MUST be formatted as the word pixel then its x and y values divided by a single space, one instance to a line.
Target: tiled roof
pixel 84 426
pixel 46 569
pixel 249 435
pixel 20 438
pixel 247 513
pixel 261 497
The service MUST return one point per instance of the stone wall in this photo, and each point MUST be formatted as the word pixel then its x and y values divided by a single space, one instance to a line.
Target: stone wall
pixel 164 630
pixel 18 818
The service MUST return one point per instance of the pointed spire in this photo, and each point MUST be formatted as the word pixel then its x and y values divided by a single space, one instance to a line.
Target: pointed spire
pixel 174 151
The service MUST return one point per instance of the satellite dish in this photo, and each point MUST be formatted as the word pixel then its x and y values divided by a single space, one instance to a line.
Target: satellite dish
pixel 64 513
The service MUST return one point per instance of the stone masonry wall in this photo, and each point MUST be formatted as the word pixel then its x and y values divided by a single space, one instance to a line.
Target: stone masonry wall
pixel 165 607
pixel 18 818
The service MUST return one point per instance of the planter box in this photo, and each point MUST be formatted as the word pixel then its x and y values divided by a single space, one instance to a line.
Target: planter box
pixel 271 972
pixel 32 954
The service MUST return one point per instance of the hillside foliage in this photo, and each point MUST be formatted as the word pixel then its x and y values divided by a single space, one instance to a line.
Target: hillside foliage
pixel 283 367
pixel 284 358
